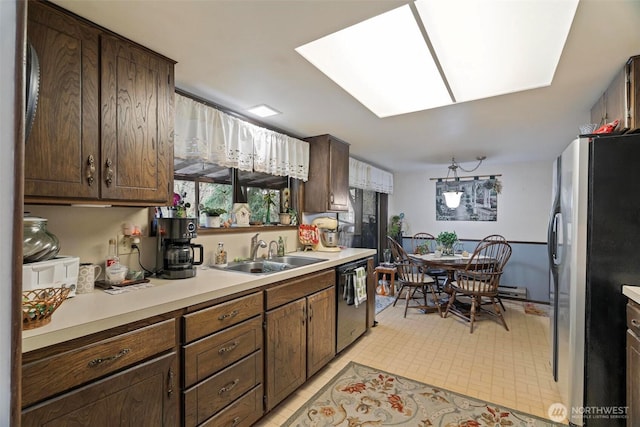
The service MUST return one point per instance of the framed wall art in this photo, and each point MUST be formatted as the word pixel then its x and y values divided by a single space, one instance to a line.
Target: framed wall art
pixel 479 201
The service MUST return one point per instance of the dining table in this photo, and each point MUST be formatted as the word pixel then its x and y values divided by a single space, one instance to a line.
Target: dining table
pixel 448 263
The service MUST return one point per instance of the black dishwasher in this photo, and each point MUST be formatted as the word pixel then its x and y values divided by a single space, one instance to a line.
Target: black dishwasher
pixel 351 317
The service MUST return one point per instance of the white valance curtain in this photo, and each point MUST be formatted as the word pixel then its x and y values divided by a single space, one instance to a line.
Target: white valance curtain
pixel 363 175
pixel 208 135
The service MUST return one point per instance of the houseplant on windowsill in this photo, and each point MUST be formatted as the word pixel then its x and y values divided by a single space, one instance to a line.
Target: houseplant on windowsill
pixel 180 206
pixel 289 217
pixel 213 216
pixel 447 240
pixel 269 201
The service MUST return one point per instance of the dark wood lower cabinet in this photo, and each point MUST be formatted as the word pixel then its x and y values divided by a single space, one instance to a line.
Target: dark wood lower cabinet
pixel 633 379
pixel 286 350
pixel 145 395
pixel 300 340
pixel 633 364
pixel 321 336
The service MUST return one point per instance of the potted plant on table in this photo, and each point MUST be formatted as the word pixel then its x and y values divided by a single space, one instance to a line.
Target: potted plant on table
pixel 447 240
pixel 213 215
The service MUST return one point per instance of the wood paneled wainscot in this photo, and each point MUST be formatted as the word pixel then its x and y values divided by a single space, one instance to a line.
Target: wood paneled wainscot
pixel 300 332
pixel 223 363
pixel 126 379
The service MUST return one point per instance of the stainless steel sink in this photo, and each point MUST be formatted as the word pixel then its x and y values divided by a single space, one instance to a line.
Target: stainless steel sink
pixel 269 266
pixel 296 261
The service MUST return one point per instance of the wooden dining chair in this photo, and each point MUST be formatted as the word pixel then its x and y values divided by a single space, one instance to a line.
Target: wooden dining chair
pixel 412 278
pixel 480 279
pixel 495 238
pixel 426 243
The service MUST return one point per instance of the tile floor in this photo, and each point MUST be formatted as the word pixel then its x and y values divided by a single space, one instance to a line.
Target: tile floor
pixel 506 368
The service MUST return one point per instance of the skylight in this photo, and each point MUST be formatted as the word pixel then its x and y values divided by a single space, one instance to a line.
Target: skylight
pixel 485 48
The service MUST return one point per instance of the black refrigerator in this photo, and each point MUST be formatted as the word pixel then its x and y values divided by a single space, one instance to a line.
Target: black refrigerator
pixel 594 231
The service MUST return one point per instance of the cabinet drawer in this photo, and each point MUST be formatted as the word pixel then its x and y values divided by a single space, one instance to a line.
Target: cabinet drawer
pixel 241 413
pixel 51 375
pixel 213 319
pixel 299 288
pixel 633 317
pixel 208 355
pixel 213 394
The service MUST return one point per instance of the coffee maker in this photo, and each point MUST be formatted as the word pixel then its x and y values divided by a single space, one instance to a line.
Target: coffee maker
pixel 175 257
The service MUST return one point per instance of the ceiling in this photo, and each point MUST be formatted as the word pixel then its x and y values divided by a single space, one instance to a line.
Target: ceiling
pixel 240 53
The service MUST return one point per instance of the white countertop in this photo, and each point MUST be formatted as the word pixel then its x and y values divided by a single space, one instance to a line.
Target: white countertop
pixel 86 314
pixel 632 292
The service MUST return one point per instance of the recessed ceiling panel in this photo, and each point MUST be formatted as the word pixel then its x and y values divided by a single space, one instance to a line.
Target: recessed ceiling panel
pixel 493 47
pixel 383 62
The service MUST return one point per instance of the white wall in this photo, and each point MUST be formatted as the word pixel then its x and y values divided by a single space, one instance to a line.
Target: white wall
pixel 7 79
pixel 523 205
pixel 85 232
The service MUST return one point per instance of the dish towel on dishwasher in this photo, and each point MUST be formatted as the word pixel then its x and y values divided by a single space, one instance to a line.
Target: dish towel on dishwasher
pixel 361 285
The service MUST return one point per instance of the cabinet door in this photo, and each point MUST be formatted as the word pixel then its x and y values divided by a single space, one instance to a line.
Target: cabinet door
pixel 633 379
pixel 328 186
pixel 145 395
pixel 62 154
pixel 286 345
pixel 321 329
pixel 137 123
pixel 338 176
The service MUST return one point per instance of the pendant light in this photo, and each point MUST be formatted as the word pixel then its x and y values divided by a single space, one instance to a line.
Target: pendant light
pixel 453 194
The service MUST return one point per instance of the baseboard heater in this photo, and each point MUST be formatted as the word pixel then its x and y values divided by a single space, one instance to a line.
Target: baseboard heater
pixel 512 292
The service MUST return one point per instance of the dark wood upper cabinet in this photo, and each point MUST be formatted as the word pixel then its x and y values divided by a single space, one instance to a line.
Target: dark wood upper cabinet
pixel 66 131
pixel 327 189
pixel 137 122
pixel 104 120
pixel 621 99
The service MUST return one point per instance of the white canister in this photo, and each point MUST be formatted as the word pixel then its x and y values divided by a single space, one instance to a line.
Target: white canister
pixel 87 275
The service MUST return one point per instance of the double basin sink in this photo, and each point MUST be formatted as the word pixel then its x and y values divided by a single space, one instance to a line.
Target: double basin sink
pixel 271 265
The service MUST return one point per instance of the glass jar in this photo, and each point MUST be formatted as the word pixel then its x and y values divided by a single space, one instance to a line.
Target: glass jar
pixel 38 244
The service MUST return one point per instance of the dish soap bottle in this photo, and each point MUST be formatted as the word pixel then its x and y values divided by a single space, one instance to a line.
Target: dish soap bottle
pixel 280 246
pixel 221 255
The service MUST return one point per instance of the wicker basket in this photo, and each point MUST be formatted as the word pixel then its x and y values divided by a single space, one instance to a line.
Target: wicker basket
pixel 39 304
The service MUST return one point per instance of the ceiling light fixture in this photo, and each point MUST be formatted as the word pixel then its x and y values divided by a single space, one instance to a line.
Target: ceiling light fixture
pixel 452 195
pixel 263 110
pixel 429 54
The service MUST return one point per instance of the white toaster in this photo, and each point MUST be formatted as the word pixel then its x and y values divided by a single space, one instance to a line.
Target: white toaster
pixel 61 271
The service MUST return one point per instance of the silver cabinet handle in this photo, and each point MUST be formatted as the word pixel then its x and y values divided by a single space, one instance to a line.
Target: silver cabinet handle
pixel 234 313
pixel 170 382
pixel 109 174
pixel 91 170
pixel 99 360
pixel 229 348
pixel 229 386
pixel 635 322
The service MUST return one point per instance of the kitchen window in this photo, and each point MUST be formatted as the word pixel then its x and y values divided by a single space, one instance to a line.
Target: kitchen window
pixel 222 158
pixel 220 187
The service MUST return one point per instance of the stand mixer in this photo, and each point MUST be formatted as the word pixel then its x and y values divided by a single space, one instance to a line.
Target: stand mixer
pixel 328 230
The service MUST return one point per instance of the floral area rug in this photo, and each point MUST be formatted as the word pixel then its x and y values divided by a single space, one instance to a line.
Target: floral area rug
pixel 360 396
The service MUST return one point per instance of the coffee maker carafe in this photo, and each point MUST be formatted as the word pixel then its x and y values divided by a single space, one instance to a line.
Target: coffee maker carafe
pixel 175 258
